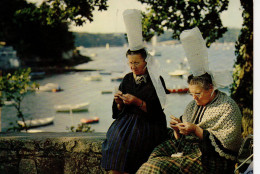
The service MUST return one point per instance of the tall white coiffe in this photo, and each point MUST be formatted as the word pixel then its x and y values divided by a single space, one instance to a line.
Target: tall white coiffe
pixel 133 25
pixel 195 50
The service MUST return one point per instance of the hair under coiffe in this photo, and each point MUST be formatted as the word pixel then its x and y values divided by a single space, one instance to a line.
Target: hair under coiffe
pixel 142 52
pixel 205 81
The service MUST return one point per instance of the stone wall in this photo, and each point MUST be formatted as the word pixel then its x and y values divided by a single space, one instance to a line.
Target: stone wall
pixel 50 153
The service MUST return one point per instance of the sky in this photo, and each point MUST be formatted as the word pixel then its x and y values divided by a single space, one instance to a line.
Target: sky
pixel 111 20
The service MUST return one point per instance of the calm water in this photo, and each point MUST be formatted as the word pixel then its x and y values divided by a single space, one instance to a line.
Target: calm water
pixel 78 90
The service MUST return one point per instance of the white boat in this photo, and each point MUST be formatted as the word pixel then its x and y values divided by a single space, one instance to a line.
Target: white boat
pixel 32 131
pixel 49 87
pixel 168 61
pixel 36 122
pixel 94 78
pixel 9 103
pixel 183 69
pixel 72 107
pixel 179 72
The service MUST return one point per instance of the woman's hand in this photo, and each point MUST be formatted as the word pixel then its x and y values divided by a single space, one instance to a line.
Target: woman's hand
pixel 173 123
pixel 129 99
pixel 186 128
pixel 117 98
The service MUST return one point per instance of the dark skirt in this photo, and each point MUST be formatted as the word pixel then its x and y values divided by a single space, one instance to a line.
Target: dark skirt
pixel 129 142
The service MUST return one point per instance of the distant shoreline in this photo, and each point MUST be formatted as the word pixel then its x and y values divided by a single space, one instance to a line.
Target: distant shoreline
pixel 66 65
pixel 60 70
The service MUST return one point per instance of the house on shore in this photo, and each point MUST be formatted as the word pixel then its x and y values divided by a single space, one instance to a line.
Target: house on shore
pixel 8 58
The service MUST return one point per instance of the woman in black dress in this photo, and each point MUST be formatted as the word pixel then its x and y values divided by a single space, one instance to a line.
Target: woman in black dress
pixel 140 123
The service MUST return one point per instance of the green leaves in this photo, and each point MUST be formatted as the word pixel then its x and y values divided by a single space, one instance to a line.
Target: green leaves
pixel 15 86
pixel 179 15
pixel 42 32
pixel 81 128
pixel 77 11
pixel 242 88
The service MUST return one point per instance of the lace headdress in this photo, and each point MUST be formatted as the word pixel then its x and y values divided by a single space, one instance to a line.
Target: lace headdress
pixel 197 55
pixel 133 24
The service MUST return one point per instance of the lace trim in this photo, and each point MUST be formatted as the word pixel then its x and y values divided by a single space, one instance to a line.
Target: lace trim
pixel 220 152
pixel 140 79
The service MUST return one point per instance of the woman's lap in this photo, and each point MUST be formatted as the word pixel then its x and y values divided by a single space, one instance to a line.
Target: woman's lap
pixel 128 144
pixel 160 161
pixel 171 165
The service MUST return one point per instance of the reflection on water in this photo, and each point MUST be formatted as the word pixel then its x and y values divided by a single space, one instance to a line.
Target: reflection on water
pixel 112 62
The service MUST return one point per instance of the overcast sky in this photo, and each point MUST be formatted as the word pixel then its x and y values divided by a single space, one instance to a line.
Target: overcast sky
pixel 111 21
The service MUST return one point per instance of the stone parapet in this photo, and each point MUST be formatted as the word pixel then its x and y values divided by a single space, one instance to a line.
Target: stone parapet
pixel 51 153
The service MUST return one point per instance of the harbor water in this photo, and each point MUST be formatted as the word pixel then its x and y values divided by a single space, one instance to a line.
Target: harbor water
pixel 109 63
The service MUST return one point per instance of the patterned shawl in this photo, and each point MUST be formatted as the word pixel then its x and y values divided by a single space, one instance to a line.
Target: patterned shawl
pixel 222 118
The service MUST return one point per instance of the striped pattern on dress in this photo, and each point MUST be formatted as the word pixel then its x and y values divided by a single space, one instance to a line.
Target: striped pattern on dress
pixel 130 140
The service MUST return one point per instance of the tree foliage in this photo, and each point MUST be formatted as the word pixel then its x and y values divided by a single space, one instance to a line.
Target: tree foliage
pixel 179 15
pixel 43 32
pixel 82 127
pixel 78 11
pixel 14 87
pixel 242 89
pixel 37 37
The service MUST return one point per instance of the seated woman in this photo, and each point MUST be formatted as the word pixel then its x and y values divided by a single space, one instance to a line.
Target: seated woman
pixel 139 118
pixel 208 134
pixel 140 123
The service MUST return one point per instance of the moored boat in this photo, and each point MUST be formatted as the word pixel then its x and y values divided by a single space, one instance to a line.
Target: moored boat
pixel 105 73
pixel 106 92
pixel 179 72
pixel 36 122
pixel 37 75
pixel 50 87
pixel 9 103
pixel 89 120
pixel 118 79
pixel 181 90
pixel 93 78
pixel 72 107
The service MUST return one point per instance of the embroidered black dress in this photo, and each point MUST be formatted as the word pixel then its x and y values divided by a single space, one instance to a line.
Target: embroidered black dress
pixel 135 133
